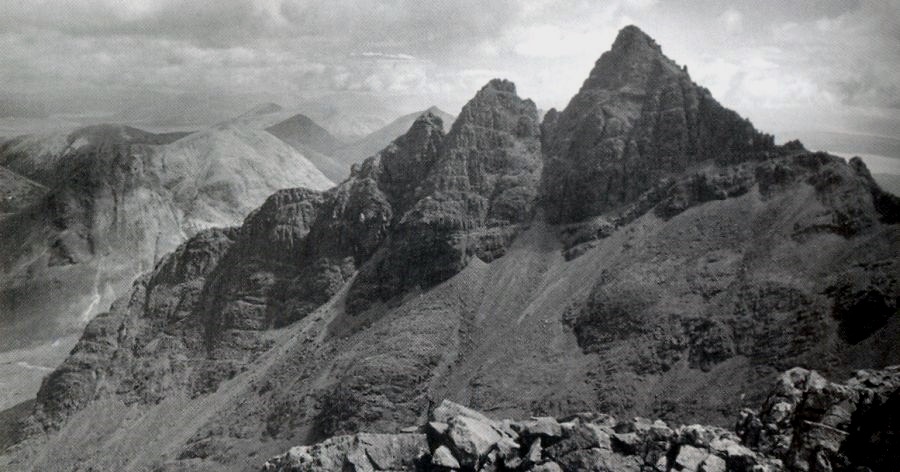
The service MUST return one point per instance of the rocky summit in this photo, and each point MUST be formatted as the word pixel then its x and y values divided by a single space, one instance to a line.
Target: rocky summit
pixel 637 118
pixel 473 199
pixel 645 252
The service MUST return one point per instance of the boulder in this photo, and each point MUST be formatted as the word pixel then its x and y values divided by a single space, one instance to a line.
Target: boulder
pixel 547 467
pixel 713 463
pixel 361 452
pixel 689 458
pixel 448 410
pixel 471 439
pixel 442 457
pixel 544 427
pixel 535 452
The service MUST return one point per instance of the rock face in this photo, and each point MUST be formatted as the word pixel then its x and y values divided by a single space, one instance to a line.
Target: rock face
pixel 372 143
pixel 637 118
pixel 214 298
pixel 817 425
pixel 62 255
pixel 806 424
pixel 640 326
pixel 436 271
pixel 481 188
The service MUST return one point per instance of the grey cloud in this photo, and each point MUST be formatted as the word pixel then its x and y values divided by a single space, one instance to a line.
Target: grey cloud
pixel 108 53
pixel 869 90
pixel 415 25
pixel 209 22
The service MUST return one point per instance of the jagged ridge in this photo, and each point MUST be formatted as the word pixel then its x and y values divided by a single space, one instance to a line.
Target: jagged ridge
pixel 301 246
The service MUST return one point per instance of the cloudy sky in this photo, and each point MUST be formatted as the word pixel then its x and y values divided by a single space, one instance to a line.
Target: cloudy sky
pixel 822 64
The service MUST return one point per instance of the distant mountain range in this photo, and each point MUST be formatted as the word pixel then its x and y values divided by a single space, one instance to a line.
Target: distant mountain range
pixel 348 116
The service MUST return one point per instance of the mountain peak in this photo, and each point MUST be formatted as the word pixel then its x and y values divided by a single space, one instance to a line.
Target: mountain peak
pixel 498 96
pixel 634 59
pixel 500 85
pixel 638 118
pixel 300 119
pixel 632 38
pixel 429 118
pixel 300 131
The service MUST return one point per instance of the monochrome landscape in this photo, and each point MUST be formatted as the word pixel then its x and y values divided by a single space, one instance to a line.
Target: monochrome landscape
pixel 373 271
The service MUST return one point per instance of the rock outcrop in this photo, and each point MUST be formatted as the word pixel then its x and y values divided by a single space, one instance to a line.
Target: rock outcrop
pixel 806 424
pixel 479 190
pixel 816 425
pixel 357 151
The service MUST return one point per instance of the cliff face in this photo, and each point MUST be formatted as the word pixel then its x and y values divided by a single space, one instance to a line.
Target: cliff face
pixel 637 118
pixel 481 187
pixel 101 219
pixel 682 277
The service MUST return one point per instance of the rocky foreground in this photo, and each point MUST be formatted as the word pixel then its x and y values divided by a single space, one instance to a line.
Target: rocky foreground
pixel 806 424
